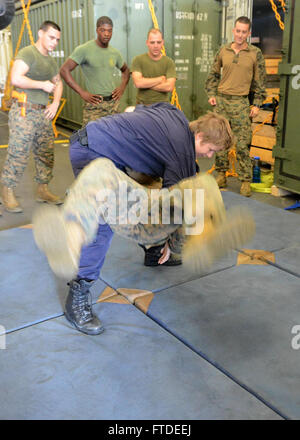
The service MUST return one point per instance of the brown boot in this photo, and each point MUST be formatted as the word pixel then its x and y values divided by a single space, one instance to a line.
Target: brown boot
pixel 44 195
pixel 245 189
pixel 9 200
pixel 221 180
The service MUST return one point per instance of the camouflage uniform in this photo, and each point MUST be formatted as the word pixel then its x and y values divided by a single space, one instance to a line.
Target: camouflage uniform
pixel 82 205
pixel 214 232
pixel 231 92
pixel 91 112
pixel 98 68
pixel 236 110
pixel 25 132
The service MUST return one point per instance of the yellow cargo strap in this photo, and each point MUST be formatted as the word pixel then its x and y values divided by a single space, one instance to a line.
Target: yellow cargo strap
pixel 56 132
pixel 268 119
pixel 22 99
pixel 278 18
pixel 232 159
pixel 174 99
pixel 8 87
pixel 283 4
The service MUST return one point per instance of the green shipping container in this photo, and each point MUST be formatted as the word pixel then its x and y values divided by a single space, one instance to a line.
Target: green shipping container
pixel 192 33
pixel 287 149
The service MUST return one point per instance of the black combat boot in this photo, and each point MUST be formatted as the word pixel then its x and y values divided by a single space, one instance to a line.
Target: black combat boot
pixel 153 254
pixel 78 308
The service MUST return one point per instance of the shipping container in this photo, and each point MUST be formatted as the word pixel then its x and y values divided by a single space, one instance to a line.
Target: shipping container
pixel 287 149
pixel 192 33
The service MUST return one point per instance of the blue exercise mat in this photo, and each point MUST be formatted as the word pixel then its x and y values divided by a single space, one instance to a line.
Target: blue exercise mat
pixel 289 259
pixel 124 267
pixel 134 370
pixel 275 228
pixel 241 319
pixel 29 291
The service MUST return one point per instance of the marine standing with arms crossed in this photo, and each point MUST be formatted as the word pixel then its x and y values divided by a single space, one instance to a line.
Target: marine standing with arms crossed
pixel 153 74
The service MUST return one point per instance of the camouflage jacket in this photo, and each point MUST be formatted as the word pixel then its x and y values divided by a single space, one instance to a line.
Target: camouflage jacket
pixel 238 74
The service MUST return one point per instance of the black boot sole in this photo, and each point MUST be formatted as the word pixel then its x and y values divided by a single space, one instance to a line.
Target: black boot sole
pixel 83 330
pixel 167 263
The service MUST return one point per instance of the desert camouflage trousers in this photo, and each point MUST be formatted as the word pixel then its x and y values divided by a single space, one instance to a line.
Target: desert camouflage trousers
pixel 104 194
pixel 32 131
pixel 91 112
pixel 236 109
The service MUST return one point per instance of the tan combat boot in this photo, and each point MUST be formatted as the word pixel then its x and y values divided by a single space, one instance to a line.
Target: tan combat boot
pixel 44 195
pixel 9 200
pixel 221 180
pixel 245 189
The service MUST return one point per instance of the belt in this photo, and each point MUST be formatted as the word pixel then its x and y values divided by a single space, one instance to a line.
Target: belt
pixel 223 95
pixel 81 136
pixel 29 104
pixel 105 98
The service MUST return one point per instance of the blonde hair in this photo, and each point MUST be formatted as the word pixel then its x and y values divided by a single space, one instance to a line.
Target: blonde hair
pixel 215 130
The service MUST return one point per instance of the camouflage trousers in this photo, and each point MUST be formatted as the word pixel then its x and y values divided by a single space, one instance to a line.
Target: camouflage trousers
pixel 32 131
pixel 103 200
pixel 91 112
pixel 84 205
pixel 104 194
pixel 236 109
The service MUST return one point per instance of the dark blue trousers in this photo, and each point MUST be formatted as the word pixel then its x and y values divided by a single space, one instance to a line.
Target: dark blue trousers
pixel 92 256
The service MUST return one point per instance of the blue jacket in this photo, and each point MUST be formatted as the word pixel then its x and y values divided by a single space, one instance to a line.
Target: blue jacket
pixel 154 140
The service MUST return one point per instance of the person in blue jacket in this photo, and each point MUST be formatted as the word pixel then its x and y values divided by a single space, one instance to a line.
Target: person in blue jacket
pixel 156 140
